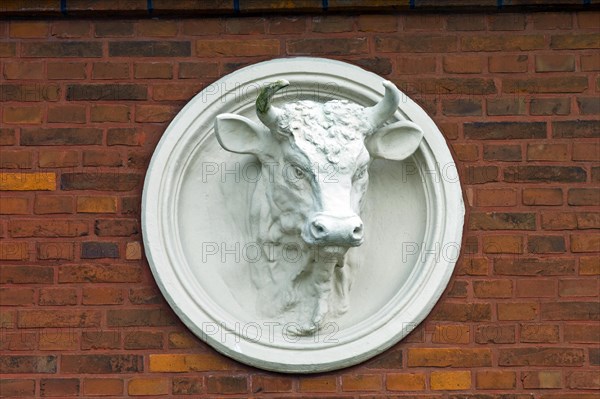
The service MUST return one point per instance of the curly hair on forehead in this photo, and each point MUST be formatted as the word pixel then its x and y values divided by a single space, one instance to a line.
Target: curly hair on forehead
pixel 329 127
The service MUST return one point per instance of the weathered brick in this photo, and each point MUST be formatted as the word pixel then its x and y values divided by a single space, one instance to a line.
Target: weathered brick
pixel 501 152
pixel 458 107
pixel 391 359
pixel 541 357
pixel 14 250
pixel 61 136
pixel 451 334
pixel 96 204
pixel 575 41
pixel 326 383
pixel 559 84
pixel 466 152
pixel 496 379
pixel 405 381
pixel 590 62
pixel 507 63
pixel 502 221
pixel 155 113
pixel 463 64
pixel 550 106
pixel 446 86
pixel 577 287
pixel 101 364
pixel 24 70
pixel 140 317
pixel 113 28
pixel 7 137
pixel 552 20
pixel 542 196
pixel 332 46
pixel 539 333
pixel 12 296
pixel 45 181
pixel 27 364
pixel 57 296
pixel 524 174
pixel 570 311
pixel 581 333
pixel 361 382
pixel 559 221
pixel 58 318
pixel 106 92
pixel 23 115
pixel 143 340
pixel 554 63
pixel 149 48
pixel 496 197
pixel 100 339
pixel 422 43
pixel 48 228
pixel 492 289
pixel 504 130
pixel 194 386
pixel 547 152
pixel 102 296
pixel 461 312
pixel 575 129
pixel 93 273
pixel 545 244
pixel 377 23
pixel 183 340
pixel 66 114
pixel 26 274
pixel 584 196
pixel 517 311
pixel 502 42
pixel 460 22
pixel 98 250
pixel 589 265
pixel 498 334
pixel 100 181
pixel 585 243
pixel 588 105
pixel 226 384
pixel 62 49
pixel 504 244
pixel 154 70
pixel 506 106
pixel 203 26
pixel 415 65
pixel 480 174
pixel 28 29
pixel 70 28
pixel 157 28
pixel 542 379
pixel 450 380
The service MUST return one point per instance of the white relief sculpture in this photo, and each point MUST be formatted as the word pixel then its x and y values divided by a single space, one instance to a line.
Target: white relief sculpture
pixel 315 159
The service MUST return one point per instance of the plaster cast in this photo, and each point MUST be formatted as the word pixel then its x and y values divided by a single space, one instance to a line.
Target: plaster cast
pixel 206 244
pixel 314 174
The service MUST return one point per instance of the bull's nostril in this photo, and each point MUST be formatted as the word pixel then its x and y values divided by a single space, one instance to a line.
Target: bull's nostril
pixel 357 230
pixel 318 230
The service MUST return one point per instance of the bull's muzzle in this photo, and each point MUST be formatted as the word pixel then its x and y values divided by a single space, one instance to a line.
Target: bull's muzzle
pixel 330 229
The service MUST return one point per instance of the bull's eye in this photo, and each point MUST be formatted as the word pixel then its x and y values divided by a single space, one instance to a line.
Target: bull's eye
pixel 298 172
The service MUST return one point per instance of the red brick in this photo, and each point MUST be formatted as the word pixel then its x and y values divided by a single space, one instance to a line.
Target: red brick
pixel 585 243
pixel 27 364
pixel 415 65
pixel 493 379
pixel 575 129
pixel 508 63
pixel 538 244
pixel 503 152
pixel 26 274
pixel 405 381
pixel 466 152
pixel 391 359
pixel 559 221
pixel 66 70
pixel 28 29
pixel 58 296
pixel 464 107
pixel 377 23
pixel 48 228
pixel 143 340
pixel 361 382
pixel 547 152
pixel 539 333
pixel 498 334
pixel 113 273
pixel 505 244
pixel 7 136
pixel 541 357
pixel 570 311
pixel 101 364
pixel 286 25
pixel 100 339
pixel 153 70
pixel 492 289
pixel 197 70
pixel 54 204
pixel 110 70
pixel 102 386
pixel 113 28
pixel 535 288
pixel 542 196
pixel 559 84
pixel 24 70
pixel 17 387
pixel 148 387
pixel 496 197
pixel 449 357
pixel 588 105
pixel 466 22
pixel 16 160
pixel 188 386
pixel 502 221
pixel 584 196
pixel 581 333
pixel 203 26
pixel 172 92
pixel 590 62
pixel 23 115
pixel 550 106
pixel 140 317
pixel 155 113
pixel 103 296
pixel 66 114
pixel 575 41
pixel 422 43
pixel 554 63
pixel 542 379
pixel 506 106
pixel 100 181
pixel 332 46
pixel 75 49
pixel 14 250
pixel 463 64
pixel 517 311
pixel 247 48
pixel 552 20
pixel 157 28
pixel 145 295
pixel 14 205
pixel 480 174
pixel 125 136
pixel 461 312
pixel 332 24
pixel 424 21
pixel 184 340
pixel 178 363
pixel 61 136
pixel 507 22
pixel 265 383
pixel 578 287
pixel 12 296
pixel 70 28
pixel 58 318
pixel 318 384
pixel 584 380
pixel 502 42
pixel 102 158
pixel 227 384
pixel 451 334
pixel 59 387
pixel 589 265
pixel 55 251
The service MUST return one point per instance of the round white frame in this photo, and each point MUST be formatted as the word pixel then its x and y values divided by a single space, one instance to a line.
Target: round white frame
pixel 445 214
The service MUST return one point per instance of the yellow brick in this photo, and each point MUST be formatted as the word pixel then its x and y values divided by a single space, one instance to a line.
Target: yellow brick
pixel 148 386
pixel 181 363
pixel 405 382
pixel 97 204
pixel 27 181
pixel 133 251
pixel 450 380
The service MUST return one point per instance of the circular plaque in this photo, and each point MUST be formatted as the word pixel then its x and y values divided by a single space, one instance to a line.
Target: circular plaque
pixel 197 205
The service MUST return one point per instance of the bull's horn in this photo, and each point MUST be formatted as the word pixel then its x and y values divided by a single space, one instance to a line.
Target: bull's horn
pixel 267 113
pixel 384 109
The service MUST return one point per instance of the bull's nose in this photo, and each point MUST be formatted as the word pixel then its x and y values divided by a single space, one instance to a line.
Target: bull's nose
pixel 336 230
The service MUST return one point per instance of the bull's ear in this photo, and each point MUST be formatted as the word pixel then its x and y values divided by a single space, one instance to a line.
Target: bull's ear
pixel 395 142
pixel 239 134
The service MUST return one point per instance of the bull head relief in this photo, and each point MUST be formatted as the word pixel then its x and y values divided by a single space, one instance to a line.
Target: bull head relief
pixel 315 169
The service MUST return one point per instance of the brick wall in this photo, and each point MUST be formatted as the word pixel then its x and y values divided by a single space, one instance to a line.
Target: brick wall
pixel 85 102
